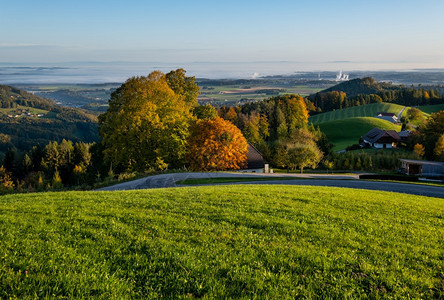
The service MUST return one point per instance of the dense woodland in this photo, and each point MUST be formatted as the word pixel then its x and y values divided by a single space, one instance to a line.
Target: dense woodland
pixel 58 122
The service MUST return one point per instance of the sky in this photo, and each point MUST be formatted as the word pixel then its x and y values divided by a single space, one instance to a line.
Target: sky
pixel 310 35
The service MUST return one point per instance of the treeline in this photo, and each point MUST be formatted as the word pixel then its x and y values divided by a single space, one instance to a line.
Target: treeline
pixel 377 160
pixel 366 91
pixel 51 167
pixel 24 133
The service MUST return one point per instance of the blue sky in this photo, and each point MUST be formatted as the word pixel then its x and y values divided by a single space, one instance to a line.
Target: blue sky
pixel 319 34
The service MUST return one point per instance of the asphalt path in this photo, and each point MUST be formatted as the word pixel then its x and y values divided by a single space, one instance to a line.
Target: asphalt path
pixel 346 181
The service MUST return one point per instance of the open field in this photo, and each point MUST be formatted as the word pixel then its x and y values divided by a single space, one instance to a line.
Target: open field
pixel 346 132
pixel 428 109
pixel 234 94
pixel 222 242
pixel 20 109
pixel 94 97
pixel 368 110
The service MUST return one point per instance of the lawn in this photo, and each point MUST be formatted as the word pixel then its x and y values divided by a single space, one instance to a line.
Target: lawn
pixel 343 133
pixel 275 242
pixel 369 110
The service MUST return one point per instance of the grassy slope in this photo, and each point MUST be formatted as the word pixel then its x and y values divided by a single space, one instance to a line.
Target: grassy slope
pixel 428 109
pixel 369 110
pixel 347 132
pixel 217 242
pixel 33 110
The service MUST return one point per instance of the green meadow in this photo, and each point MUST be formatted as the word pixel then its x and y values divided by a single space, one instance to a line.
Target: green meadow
pixel 15 110
pixel 369 110
pixel 272 242
pixel 346 132
pixel 429 109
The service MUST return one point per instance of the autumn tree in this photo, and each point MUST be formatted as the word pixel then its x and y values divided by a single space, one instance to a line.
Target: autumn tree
pixel 216 145
pixel 6 183
pixel 146 124
pixel 419 150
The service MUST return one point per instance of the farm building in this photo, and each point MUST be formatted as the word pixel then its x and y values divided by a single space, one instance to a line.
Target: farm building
pixel 422 167
pixel 254 158
pixel 381 139
pixel 404 135
pixel 391 117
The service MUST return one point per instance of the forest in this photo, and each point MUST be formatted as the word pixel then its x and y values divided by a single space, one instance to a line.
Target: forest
pixel 57 123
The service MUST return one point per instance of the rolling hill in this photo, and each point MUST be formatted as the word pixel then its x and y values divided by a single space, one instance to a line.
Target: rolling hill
pixel 346 132
pixel 368 110
pixel 429 109
pixel 361 86
pixel 27 120
pixel 224 242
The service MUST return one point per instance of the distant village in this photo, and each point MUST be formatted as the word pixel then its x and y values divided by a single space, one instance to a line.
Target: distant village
pixel 20 113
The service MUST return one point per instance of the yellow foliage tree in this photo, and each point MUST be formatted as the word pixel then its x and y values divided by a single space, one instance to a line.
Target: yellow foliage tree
pixel 419 150
pixel 216 145
pixel 6 183
pixel 146 122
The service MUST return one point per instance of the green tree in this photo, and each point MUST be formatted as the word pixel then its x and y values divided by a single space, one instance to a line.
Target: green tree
pixel 205 112
pixel 51 158
pixel 299 152
pixel 439 148
pixel 183 86
pixel 430 131
pixel 146 121
pixel 414 114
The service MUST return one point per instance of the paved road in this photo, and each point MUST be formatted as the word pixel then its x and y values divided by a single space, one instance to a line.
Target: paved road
pixel 347 181
pixel 400 113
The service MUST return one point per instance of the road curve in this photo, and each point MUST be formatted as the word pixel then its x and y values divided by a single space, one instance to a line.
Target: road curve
pixel 346 181
pixel 406 188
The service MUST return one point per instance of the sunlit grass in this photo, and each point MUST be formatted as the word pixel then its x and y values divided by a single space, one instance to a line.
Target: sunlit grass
pixel 257 241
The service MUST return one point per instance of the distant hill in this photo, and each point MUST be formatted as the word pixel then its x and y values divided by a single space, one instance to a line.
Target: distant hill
pixel 362 86
pixel 27 120
pixel 368 110
pixel 343 133
pixel 363 91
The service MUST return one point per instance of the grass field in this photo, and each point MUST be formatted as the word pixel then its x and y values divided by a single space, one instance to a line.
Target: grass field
pixel 369 110
pixel 343 133
pixel 232 94
pixel 428 109
pixel 275 242
pixel 15 110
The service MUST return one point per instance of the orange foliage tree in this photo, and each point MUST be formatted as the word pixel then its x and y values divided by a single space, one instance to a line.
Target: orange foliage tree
pixel 216 145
